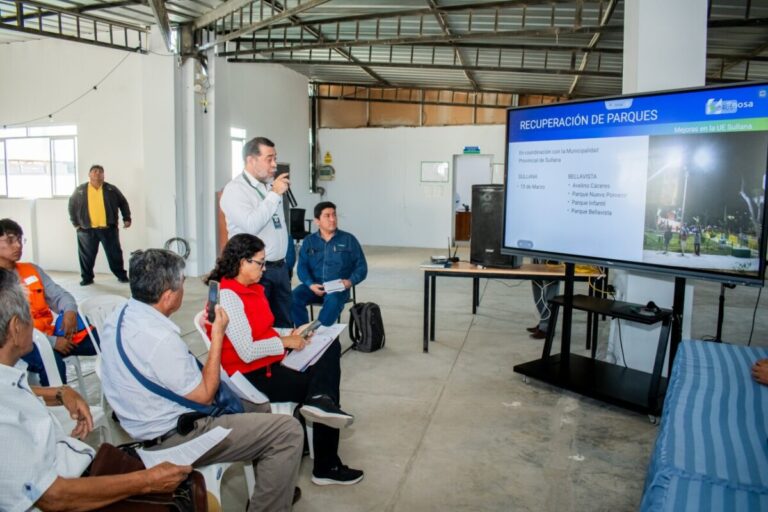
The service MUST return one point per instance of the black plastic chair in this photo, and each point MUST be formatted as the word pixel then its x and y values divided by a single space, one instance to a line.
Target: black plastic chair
pixel 352 298
pixel 296 224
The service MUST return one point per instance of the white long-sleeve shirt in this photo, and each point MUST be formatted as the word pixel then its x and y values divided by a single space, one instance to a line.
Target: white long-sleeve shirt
pixel 247 212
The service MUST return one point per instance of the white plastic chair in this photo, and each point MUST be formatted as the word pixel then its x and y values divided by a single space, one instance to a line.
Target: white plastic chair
pixel 100 421
pixel 276 407
pixel 74 362
pixel 97 309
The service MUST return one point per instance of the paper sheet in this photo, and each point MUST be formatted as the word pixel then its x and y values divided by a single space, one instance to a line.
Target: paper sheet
pixel 185 453
pixel 300 360
pixel 245 390
pixel 334 286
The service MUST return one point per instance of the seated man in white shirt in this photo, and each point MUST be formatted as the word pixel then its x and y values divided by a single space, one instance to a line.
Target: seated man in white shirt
pixel 41 465
pixel 152 344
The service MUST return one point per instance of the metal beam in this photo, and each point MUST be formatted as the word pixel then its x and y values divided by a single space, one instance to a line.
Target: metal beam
pixel 423 11
pixel 350 43
pixel 470 45
pixel 593 43
pixel 262 24
pixel 443 22
pixel 408 65
pixel 730 63
pixel 219 12
pixel 73 26
pixel 318 35
pixel 161 18
pixel 78 10
pixel 557 94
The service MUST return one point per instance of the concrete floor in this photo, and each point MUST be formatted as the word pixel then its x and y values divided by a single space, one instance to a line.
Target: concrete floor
pixel 456 429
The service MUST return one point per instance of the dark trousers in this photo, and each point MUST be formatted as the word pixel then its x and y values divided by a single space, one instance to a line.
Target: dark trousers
pixel 333 305
pixel 277 288
pixel 35 361
pixel 322 378
pixel 88 247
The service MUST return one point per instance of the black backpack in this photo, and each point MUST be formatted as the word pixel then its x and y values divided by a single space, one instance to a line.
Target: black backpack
pixel 366 328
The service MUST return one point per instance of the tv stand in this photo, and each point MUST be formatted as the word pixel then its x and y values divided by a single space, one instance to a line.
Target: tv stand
pixel 616 384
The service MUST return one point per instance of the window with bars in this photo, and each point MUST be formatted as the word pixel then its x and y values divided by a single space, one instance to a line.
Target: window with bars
pixel 38 162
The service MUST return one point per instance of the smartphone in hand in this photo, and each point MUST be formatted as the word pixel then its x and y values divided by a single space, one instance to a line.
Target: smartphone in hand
pixel 310 328
pixel 213 299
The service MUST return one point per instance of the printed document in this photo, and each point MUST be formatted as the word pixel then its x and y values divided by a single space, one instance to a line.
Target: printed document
pixel 185 453
pixel 300 360
pixel 245 390
pixel 334 286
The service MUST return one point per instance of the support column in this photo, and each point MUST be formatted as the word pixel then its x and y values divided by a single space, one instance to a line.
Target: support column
pixel 665 47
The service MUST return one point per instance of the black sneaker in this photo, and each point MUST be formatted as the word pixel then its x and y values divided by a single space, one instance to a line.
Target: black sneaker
pixel 338 475
pixel 86 282
pixel 123 280
pixel 322 409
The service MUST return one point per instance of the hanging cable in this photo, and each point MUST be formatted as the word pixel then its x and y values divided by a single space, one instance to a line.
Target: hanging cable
pixel 83 95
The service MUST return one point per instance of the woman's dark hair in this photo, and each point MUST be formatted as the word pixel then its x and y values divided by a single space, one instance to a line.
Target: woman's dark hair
pixel 239 247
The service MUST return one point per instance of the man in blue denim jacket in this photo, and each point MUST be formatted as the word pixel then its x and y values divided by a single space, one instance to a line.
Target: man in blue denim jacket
pixel 327 255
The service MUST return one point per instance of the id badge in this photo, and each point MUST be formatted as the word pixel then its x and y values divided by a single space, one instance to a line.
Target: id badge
pixel 276 222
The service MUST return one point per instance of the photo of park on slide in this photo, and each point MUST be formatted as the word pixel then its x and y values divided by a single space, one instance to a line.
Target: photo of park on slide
pixel 705 201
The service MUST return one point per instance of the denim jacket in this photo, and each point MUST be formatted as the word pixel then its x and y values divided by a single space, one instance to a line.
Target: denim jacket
pixel 340 258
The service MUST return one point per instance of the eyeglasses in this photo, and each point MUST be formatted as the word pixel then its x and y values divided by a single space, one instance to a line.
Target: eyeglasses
pixel 261 263
pixel 13 239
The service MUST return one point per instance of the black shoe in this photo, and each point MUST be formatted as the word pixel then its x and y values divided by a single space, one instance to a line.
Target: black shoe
pixel 296 494
pixel 86 282
pixel 338 475
pixel 322 409
pixel 539 335
pixel 532 329
pixel 123 280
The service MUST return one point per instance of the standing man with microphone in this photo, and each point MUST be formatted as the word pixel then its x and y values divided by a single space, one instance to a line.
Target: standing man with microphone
pixel 252 203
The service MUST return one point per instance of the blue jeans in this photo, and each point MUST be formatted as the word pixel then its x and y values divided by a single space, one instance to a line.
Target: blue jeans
pixel 333 305
pixel 35 361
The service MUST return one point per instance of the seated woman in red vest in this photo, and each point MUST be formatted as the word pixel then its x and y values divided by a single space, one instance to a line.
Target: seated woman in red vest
pixel 45 297
pixel 254 348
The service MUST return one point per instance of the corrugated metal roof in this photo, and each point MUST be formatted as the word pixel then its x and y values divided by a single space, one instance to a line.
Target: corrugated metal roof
pixel 540 46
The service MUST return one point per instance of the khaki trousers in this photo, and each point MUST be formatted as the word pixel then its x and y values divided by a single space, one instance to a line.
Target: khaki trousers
pixel 273 442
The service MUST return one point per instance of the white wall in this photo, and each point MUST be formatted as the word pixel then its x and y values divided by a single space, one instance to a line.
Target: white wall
pixel 266 100
pixel 378 191
pixel 126 126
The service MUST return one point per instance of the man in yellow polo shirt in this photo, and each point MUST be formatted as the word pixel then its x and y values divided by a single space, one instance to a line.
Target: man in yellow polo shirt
pixel 93 210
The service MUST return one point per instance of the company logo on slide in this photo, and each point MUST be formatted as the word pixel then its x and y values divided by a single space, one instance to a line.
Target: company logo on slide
pixel 525 244
pixel 720 106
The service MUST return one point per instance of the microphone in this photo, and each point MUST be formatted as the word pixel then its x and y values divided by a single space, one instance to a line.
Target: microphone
pixel 288 194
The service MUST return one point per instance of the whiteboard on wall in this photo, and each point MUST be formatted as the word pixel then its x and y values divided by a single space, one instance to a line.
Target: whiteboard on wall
pixel 469 170
pixel 434 172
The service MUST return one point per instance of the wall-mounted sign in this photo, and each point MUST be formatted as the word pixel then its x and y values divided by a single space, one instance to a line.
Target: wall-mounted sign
pixel 327 159
pixel 471 150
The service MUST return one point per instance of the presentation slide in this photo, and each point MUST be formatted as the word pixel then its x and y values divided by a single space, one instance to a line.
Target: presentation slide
pixel 577 183
pixel 673 180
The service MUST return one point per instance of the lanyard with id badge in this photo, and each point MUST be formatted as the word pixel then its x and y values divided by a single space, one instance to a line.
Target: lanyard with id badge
pixel 275 217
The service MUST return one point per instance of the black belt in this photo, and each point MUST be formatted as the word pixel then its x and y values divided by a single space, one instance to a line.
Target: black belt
pixel 278 263
pixel 158 440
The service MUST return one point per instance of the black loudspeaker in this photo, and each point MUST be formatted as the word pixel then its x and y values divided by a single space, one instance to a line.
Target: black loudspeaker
pixel 485 241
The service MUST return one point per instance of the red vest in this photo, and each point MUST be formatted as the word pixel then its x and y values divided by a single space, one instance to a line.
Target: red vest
pixel 260 318
pixel 41 313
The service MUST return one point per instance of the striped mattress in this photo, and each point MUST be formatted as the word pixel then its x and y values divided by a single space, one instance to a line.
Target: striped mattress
pixel 712 447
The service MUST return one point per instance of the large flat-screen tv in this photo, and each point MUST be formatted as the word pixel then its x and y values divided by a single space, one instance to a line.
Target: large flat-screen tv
pixel 671 182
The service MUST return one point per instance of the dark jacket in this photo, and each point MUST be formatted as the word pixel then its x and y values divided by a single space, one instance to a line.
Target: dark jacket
pixel 339 258
pixel 113 200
